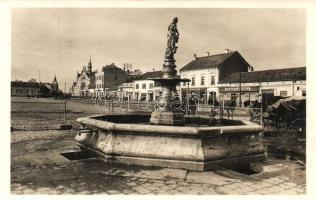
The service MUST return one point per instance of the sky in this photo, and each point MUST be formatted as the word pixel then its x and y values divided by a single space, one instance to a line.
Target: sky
pixel 49 41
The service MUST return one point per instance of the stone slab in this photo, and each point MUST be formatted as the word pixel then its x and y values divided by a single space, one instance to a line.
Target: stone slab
pixel 209 178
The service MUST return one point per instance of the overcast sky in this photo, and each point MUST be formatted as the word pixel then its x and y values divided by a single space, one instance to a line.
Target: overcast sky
pixel 60 41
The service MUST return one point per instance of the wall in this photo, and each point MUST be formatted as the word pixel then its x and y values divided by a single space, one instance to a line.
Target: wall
pixel 24 91
pixel 207 73
pixel 113 78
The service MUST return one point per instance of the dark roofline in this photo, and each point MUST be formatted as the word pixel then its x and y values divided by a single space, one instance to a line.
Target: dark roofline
pixel 265 75
pixel 270 70
pixel 203 57
pixel 145 76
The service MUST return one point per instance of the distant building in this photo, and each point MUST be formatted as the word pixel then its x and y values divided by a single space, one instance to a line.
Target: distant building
pixel 126 90
pixel 205 73
pixel 147 90
pixel 84 84
pixel 250 86
pixel 20 88
pixel 113 78
pixel 33 88
pixel 99 84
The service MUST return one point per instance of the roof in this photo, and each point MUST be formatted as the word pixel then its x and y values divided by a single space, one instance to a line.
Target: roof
pixel 147 75
pixel 111 67
pixel 24 84
pixel 273 75
pixel 206 62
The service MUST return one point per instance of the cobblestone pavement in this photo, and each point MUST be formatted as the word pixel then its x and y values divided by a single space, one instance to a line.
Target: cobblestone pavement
pixel 38 168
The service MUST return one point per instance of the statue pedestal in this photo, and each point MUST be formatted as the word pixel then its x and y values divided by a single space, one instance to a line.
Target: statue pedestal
pixel 167 118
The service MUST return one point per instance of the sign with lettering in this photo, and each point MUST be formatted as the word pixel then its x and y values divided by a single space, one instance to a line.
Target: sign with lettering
pixel 236 89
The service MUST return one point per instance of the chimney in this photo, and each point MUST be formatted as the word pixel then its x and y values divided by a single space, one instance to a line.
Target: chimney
pixel 207 53
pixel 227 50
pixel 195 56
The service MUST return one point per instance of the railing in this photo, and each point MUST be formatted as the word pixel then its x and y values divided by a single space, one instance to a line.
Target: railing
pixel 243 113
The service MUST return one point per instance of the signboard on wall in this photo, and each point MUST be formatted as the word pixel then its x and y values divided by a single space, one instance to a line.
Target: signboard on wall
pixel 243 89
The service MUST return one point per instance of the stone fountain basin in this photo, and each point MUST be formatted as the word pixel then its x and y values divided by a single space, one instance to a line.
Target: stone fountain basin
pixel 131 139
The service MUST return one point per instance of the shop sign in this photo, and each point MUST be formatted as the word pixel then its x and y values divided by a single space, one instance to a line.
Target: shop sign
pixel 236 89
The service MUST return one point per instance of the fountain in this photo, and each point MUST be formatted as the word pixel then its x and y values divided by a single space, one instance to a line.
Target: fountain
pixel 167 138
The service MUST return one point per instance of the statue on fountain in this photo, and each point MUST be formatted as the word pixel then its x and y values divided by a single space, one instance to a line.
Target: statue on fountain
pixel 173 37
pixel 165 113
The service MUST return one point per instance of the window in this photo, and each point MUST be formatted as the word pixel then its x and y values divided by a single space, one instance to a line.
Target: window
pixel 144 86
pixel 298 88
pixel 212 80
pixel 193 81
pixel 283 93
pixel 304 93
pixel 137 86
pixel 151 86
pixel 184 84
pixel 202 80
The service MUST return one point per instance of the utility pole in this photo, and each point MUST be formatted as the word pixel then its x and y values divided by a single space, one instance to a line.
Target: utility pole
pixel 240 89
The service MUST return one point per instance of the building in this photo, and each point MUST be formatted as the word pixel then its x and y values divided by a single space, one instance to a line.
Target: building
pixel 205 73
pixel 99 84
pixel 84 83
pixel 250 86
pixel 126 90
pixel 113 77
pixel 147 90
pixel 20 88
pixel 32 88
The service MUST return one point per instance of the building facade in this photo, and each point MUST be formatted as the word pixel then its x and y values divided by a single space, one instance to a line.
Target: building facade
pixel 263 86
pixel 206 72
pixel 99 84
pixel 32 88
pixel 84 84
pixel 126 90
pixel 20 88
pixel 147 90
pixel 113 77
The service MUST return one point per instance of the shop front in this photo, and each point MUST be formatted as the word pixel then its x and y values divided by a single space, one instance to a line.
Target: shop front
pixel 241 95
pixel 200 93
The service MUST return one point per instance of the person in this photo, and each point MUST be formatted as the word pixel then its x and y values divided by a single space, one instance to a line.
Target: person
pixel 192 105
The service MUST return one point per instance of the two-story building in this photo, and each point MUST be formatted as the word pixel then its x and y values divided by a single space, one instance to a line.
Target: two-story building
pixel 99 84
pixel 205 73
pixel 147 90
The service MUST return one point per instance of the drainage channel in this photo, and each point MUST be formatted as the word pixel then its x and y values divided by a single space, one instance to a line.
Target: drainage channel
pixel 78 155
